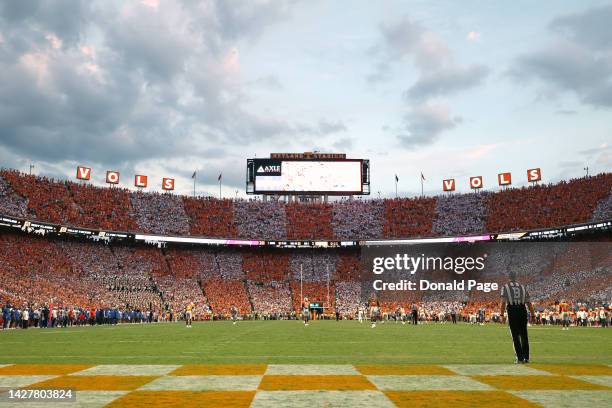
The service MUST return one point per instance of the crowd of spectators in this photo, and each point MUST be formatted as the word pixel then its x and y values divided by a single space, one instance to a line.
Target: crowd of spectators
pixel 159 213
pixel 229 264
pixel 36 270
pixel 178 293
pixel 309 221
pixel 409 217
pixel 313 265
pixel 223 294
pixel 358 219
pixel 271 298
pixel 603 210
pixel 348 266
pixel 211 217
pixel 67 273
pixel 10 202
pixel 263 220
pixel 262 265
pixel 348 297
pixel 460 214
pixel 48 199
pixel 105 208
pixel 81 204
pixel 541 206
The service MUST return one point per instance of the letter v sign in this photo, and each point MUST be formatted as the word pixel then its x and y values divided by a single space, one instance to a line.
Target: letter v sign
pixel 83 173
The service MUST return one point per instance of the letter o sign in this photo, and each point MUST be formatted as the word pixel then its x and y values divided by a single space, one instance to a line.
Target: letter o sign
pixel 112 177
pixel 476 182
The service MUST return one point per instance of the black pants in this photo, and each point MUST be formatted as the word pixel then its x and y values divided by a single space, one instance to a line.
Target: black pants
pixel 517 319
pixel 415 317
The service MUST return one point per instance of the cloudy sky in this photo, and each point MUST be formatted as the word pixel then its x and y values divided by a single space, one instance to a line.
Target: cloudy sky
pixel 452 89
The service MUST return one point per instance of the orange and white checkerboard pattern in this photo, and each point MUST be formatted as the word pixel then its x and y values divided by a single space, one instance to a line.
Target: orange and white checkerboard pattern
pixel 260 385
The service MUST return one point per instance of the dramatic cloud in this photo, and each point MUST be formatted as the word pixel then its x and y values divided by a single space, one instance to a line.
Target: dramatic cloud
pixel 579 61
pixel 590 28
pixel 439 76
pixel 446 81
pixel 424 124
pixel 117 83
pixel 407 40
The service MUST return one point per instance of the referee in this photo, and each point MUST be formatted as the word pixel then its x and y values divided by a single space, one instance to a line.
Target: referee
pixel 516 298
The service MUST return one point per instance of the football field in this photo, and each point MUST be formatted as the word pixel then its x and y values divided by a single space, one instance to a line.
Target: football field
pixel 328 363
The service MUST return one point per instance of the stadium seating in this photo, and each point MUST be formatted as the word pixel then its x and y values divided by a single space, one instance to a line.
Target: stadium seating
pixel 48 200
pixel 358 219
pixel 37 270
pixel 260 220
pixel 159 213
pixel 266 266
pixel 106 208
pixel 10 202
pixel 80 204
pixel 222 294
pixel 211 217
pixel 460 214
pixel 348 267
pixel 267 281
pixel 348 297
pixel 542 206
pixel 309 221
pixel 410 217
pixel 271 298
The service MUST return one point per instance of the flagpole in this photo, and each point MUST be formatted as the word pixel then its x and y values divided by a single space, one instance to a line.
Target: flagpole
pixel 194 182
pixel 220 177
pixel 396 180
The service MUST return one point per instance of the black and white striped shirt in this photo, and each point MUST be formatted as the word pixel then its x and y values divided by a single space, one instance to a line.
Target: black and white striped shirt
pixel 515 294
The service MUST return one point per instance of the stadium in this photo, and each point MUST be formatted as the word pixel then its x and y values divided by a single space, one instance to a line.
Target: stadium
pixel 131 275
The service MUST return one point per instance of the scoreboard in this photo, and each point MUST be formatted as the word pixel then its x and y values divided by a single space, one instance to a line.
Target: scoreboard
pixel 303 176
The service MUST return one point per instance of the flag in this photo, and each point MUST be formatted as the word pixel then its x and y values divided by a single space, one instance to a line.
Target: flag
pixel 422 176
pixel 220 175
pixel 396 178
pixel 193 175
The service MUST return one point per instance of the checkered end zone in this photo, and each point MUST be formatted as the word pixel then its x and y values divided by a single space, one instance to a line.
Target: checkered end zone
pixel 319 385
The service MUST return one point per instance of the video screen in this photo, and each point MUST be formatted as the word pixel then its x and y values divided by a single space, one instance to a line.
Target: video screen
pixel 281 176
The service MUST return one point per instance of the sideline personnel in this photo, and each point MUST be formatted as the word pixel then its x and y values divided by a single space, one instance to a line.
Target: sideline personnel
pixel 515 297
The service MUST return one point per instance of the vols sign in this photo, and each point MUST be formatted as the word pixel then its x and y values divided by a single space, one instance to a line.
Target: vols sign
pixel 448 185
pixel 112 177
pixel 504 179
pixel 476 182
pixel 168 184
pixel 83 173
pixel 534 175
pixel 140 180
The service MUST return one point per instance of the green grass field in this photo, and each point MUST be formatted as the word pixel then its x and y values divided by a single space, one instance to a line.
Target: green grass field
pixel 289 342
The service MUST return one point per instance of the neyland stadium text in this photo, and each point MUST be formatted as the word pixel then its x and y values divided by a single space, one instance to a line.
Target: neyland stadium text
pixel 424 284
